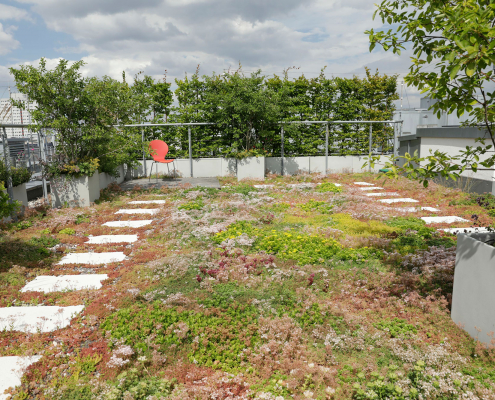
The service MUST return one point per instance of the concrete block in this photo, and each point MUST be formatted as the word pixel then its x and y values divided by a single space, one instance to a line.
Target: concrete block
pixel 93 258
pixel 149 211
pixel 12 369
pixel 75 192
pixel 364 184
pixel 104 239
pixel 20 194
pixel 252 167
pixel 37 319
pixel 415 209
pixel 371 188
pixel 474 278
pixel 148 202
pixel 402 200
pixel 49 284
pixel 381 194
pixel 128 224
pixel 439 220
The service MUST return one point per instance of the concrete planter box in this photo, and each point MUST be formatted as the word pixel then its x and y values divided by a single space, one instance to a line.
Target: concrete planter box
pixel 20 194
pixel 75 192
pixel 473 296
pixel 106 179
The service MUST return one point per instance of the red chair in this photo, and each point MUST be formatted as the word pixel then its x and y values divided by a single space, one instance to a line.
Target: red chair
pixel 158 150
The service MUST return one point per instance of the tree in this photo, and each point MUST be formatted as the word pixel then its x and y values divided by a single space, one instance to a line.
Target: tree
pixel 85 113
pixel 456 37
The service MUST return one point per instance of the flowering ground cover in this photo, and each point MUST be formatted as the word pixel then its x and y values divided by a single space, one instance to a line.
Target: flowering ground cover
pixel 299 289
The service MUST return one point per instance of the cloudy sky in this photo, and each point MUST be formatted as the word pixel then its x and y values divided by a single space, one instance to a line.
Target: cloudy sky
pixel 177 35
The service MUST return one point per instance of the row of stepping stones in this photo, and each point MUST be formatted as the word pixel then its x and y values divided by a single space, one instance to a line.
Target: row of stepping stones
pixel 365 186
pixel 41 319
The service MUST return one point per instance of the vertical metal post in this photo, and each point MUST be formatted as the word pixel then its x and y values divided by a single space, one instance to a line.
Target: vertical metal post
pixel 370 144
pixel 190 150
pixel 41 143
pixel 282 150
pixel 6 153
pixel 326 150
pixel 145 169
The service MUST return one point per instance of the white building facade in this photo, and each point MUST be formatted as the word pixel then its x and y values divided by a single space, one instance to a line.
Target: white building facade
pixel 10 114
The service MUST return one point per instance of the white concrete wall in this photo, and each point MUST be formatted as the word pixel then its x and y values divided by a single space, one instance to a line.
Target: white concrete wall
pixel 254 167
pixel 453 146
pixel 337 164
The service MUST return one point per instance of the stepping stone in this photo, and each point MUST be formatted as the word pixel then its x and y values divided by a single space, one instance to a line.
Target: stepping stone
pixel 93 258
pixel 364 184
pixel 37 319
pixel 103 239
pixel 128 224
pixel 263 186
pixel 49 284
pixel 414 209
pixel 148 202
pixel 301 185
pixel 11 370
pixel 404 200
pixel 371 188
pixel 439 220
pixel 381 194
pixel 465 230
pixel 139 211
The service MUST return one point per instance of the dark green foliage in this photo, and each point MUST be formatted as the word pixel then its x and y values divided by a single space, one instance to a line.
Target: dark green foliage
pixel 45 241
pixel 19 175
pixel 247 109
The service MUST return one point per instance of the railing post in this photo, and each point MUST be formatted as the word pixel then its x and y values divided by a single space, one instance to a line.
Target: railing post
pixel 190 149
pixel 41 143
pixel 370 144
pixel 6 153
pixel 326 151
pixel 282 150
pixel 144 154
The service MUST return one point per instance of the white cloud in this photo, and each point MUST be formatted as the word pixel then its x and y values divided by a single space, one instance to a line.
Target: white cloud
pixel 9 12
pixel 177 35
pixel 7 41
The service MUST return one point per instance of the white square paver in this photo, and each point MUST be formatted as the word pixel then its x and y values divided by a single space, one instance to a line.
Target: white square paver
pixel 11 370
pixel 103 239
pixel 128 224
pixel 439 220
pixel 37 319
pixel 381 194
pixel 371 188
pixel 150 211
pixel 93 258
pixel 364 184
pixel 465 230
pixel 263 186
pixel 415 209
pixel 401 200
pixel 49 284
pixel 148 202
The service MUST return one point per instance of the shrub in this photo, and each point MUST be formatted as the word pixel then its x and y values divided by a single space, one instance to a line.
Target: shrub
pixel 192 205
pixel 45 241
pixel 6 208
pixel 19 175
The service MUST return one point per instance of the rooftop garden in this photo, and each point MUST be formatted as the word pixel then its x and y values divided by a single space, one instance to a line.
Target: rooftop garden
pixel 303 289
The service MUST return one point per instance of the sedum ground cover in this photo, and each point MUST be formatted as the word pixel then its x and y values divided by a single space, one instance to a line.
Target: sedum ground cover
pixel 295 291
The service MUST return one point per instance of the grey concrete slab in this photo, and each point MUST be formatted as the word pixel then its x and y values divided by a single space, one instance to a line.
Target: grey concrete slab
pixel 145 184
